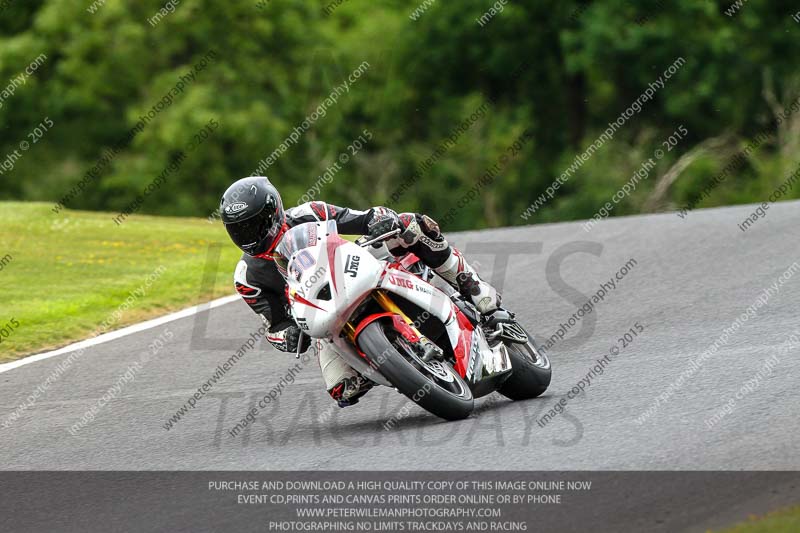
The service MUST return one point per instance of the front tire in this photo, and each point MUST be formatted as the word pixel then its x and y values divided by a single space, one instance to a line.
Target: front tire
pixel 531 372
pixel 443 393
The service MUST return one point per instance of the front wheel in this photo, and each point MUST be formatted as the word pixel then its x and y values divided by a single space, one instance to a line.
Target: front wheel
pixel 433 385
pixel 530 375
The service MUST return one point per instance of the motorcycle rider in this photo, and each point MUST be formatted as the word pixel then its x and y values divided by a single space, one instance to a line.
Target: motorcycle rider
pixel 254 217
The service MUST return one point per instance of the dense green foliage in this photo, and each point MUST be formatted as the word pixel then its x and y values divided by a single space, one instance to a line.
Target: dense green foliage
pixel 560 70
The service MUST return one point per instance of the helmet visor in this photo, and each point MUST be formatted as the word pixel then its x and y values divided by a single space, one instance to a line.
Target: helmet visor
pixel 254 233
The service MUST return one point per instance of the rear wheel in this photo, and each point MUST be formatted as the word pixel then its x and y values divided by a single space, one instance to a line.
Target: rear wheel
pixel 433 385
pixel 531 373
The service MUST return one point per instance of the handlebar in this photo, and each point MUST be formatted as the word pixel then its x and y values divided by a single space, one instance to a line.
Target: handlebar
pixel 379 238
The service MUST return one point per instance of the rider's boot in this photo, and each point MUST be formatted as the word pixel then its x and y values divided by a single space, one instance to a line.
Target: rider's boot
pixel 344 384
pixel 350 389
pixel 422 236
pixel 458 273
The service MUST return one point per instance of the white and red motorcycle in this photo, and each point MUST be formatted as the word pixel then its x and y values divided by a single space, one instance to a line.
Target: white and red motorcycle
pixel 400 325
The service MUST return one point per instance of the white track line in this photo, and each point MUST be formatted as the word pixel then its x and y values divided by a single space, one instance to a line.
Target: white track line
pixel 120 333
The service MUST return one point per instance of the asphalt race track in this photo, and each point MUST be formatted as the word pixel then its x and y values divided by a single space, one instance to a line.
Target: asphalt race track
pixel 691 279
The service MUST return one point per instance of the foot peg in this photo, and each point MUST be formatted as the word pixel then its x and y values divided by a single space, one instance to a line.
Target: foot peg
pixel 502 325
pixel 512 332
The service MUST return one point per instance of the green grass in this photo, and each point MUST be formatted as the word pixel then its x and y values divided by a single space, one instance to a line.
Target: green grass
pixel 782 521
pixel 70 272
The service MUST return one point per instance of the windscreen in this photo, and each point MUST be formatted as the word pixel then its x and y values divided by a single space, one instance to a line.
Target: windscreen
pixel 298 238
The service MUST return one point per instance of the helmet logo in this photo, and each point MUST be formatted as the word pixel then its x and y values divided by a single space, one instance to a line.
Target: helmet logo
pixel 235 208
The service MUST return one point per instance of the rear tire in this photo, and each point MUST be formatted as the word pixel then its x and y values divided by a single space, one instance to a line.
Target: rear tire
pixel 531 372
pixel 402 371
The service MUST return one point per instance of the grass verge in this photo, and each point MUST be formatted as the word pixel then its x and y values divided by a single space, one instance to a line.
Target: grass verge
pixel 64 275
pixel 781 521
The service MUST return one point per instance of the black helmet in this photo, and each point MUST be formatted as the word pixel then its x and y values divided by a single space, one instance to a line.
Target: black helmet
pixel 252 212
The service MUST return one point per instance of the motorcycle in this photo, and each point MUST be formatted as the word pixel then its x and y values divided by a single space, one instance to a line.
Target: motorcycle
pixel 400 325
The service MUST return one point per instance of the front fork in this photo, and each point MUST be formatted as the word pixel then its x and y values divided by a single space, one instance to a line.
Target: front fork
pixel 404 325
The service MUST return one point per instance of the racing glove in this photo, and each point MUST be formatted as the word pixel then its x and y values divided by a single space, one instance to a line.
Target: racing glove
pixel 286 337
pixel 385 220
